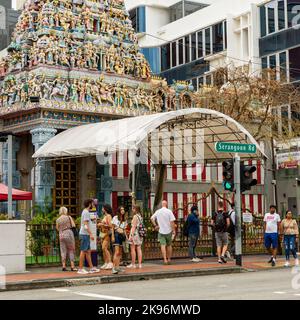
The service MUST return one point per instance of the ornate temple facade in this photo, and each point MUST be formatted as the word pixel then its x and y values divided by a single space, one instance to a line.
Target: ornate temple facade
pixel 74 62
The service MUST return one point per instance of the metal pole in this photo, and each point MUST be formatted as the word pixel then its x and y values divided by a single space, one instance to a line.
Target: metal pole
pixel 238 215
pixel 133 179
pixel 9 196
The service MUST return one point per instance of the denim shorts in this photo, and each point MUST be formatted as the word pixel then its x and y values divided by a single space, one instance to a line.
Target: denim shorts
pixel 119 239
pixel 271 239
pixel 85 244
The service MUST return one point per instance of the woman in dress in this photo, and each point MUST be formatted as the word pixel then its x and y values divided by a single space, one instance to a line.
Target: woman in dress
pixel 64 225
pixel 119 223
pixel 106 235
pixel 135 239
pixel 289 229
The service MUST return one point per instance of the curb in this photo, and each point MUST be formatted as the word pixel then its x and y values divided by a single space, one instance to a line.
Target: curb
pixel 58 283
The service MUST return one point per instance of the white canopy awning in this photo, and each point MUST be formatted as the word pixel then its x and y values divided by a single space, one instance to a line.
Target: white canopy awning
pixel 133 133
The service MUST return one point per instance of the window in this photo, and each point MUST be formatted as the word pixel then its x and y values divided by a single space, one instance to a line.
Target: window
pixel 174 54
pixel 281 14
pixel 165 57
pixel 207 41
pixel 271 17
pixel 176 11
pixel 225 34
pixel 180 51
pixel 283 66
pixel 293 10
pixel 138 18
pixel 218 38
pixel 263 22
pixel 264 63
pixel 193 45
pixel 294 63
pixel 187 49
pixel 200 44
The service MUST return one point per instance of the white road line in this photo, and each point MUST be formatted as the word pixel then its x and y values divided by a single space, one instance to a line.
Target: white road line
pixel 99 296
pixel 279 292
pixel 59 290
pixel 297 294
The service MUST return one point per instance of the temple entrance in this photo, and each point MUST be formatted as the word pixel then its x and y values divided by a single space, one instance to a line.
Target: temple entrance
pixel 65 191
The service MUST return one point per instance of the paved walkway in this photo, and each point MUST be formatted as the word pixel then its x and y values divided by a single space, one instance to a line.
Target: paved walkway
pixel 180 265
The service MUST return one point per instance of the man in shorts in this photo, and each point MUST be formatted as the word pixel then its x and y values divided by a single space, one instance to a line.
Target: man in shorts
pixel 163 222
pixel 220 221
pixel 271 226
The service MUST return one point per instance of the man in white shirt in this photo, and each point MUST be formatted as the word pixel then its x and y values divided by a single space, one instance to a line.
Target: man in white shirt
pixel 163 222
pixel 271 227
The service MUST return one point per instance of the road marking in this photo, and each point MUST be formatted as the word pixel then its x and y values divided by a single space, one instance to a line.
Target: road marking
pixel 279 292
pixel 59 290
pixel 99 296
pixel 297 294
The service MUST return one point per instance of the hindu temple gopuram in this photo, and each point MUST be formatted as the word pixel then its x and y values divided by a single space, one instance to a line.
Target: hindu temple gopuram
pixel 73 62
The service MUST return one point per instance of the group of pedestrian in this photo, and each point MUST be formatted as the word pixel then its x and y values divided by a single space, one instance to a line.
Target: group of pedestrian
pixel 116 233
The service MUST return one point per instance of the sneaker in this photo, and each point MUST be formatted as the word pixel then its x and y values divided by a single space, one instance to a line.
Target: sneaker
pixel 109 266
pixel 131 266
pixel 220 261
pixel 297 262
pixel 287 264
pixel 120 270
pixel 140 266
pixel 94 270
pixel 104 266
pixel 273 262
pixel 195 260
pixel 82 271
pixel 223 259
pixel 115 271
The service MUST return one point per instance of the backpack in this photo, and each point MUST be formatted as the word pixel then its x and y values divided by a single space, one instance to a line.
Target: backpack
pixel 142 231
pixel 231 228
pixel 185 228
pixel 220 222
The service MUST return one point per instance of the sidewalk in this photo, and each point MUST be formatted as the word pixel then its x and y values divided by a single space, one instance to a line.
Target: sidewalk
pixel 37 278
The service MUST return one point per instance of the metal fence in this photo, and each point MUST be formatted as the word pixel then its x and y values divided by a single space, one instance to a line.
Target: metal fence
pixel 42 242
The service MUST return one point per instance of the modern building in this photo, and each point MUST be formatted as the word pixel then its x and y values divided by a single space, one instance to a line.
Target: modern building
pixel 188 40
pixel 8 20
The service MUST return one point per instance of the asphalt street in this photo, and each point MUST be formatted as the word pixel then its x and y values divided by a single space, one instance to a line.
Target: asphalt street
pixel 265 285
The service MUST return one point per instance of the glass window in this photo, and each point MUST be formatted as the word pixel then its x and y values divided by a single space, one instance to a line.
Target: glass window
pixel 218 37
pixel 165 57
pixel 283 66
pixel 174 54
pixel 191 7
pixel 193 45
pixel 194 83
pixel 207 41
pixel 208 80
pixel 281 14
pixel 294 63
pixel 176 11
pixel 263 30
pixel 264 63
pixel 225 33
pixel 272 62
pixel 187 49
pixel 200 82
pixel 138 18
pixel 293 12
pixel 200 44
pixel 180 51
pixel 271 16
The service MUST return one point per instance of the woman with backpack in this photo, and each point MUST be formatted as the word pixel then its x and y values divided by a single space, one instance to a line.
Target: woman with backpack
pixel 136 237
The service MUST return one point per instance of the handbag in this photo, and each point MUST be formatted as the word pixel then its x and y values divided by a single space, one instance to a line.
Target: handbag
pixel 73 228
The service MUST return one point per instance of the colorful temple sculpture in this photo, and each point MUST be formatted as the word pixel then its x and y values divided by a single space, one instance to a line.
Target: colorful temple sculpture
pixel 73 62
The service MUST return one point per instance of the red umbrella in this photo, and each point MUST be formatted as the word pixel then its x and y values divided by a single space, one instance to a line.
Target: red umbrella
pixel 16 194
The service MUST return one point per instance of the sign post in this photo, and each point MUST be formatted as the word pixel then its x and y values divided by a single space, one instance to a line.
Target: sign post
pixel 238 214
pixel 236 148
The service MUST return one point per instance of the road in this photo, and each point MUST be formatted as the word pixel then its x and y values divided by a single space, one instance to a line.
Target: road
pixel 264 285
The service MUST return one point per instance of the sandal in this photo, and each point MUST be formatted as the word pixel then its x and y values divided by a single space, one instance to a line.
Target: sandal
pixel 64 269
pixel 74 269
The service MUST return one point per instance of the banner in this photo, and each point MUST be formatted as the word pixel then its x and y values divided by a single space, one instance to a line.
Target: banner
pixel 288 160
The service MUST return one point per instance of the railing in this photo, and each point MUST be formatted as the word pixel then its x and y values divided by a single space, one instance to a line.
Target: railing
pixel 42 242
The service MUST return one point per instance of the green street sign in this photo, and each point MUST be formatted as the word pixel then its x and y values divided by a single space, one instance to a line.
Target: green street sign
pixel 229 147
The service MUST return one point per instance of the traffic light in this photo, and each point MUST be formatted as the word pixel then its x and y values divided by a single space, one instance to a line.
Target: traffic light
pixel 228 178
pixel 247 181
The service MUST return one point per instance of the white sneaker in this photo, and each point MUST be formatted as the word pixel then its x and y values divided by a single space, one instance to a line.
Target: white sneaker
pixel 109 266
pixel 297 262
pixel 115 271
pixel 228 255
pixel 140 266
pixel 82 271
pixel 104 266
pixel 94 270
pixel 131 266
pixel 287 264
pixel 195 260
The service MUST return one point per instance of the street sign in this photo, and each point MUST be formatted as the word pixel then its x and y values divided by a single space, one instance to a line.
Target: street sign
pixel 229 147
